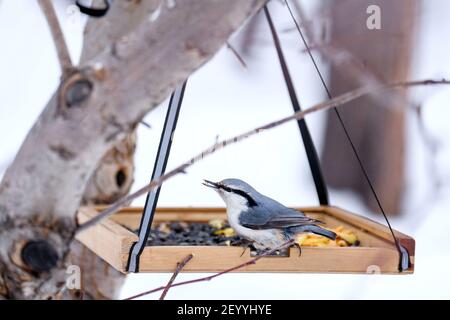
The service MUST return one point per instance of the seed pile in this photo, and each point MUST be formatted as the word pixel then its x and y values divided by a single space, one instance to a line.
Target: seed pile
pixel 215 233
pixel 218 233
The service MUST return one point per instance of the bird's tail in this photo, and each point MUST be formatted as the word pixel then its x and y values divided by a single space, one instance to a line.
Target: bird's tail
pixel 314 229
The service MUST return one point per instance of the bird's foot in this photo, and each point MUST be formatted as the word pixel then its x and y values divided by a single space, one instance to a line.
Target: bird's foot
pixel 243 251
pixel 299 249
pixel 247 245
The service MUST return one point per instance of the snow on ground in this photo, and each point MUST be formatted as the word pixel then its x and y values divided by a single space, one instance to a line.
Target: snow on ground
pixel 223 99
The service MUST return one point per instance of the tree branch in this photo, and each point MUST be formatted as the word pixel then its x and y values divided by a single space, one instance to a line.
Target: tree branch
pixel 57 35
pixel 335 102
pixel 287 244
pixel 180 266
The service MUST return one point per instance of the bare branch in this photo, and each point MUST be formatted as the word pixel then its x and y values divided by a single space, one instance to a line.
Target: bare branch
pixel 180 266
pixel 287 244
pixel 145 124
pixel 237 55
pixel 335 102
pixel 57 35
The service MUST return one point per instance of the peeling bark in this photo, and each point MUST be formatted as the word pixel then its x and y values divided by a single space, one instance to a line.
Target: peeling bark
pixel 132 59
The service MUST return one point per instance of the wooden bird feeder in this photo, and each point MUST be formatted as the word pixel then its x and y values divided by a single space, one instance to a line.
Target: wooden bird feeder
pixel 112 241
pixel 381 250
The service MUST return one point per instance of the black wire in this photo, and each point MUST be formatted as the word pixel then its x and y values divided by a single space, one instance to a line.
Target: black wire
pixel 363 169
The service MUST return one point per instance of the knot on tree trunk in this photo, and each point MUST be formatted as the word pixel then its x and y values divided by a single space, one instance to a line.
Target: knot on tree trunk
pixel 77 87
pixel 36 255
pixel 39 256
pixel 114 176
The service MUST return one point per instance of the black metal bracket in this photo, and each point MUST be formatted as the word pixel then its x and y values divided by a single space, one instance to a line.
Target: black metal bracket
pixel 405 261
pixel 92 11
pixel 311 153
pixel 158 170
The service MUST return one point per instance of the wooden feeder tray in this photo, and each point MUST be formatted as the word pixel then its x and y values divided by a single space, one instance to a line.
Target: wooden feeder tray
pixel 112 240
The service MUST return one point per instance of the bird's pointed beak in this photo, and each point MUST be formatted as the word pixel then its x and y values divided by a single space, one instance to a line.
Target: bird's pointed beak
pixel 210 184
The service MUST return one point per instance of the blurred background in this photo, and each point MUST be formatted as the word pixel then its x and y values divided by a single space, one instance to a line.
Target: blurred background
pixel 402 141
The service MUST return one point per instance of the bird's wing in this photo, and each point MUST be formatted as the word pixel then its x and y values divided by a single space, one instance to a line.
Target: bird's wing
pixel 274 218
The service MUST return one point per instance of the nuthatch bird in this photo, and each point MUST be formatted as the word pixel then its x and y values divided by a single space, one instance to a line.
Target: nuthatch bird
pixel 265 222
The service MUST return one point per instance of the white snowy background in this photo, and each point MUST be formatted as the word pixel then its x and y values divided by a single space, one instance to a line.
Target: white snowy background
pixel 223 99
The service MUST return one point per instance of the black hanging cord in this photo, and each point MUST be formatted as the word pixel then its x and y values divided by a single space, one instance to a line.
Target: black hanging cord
pixel 404 255
pixel 91 11
pixel 311 152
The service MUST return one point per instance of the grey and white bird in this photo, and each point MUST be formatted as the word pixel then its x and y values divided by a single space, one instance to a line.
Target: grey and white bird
pixel 265 222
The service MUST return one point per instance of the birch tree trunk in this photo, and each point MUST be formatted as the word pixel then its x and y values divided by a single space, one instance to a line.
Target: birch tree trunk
pixel 111 180
pixel 132 59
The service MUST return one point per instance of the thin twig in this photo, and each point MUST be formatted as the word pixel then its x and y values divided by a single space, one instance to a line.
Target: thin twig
pixel 237 55
pixel 180 266
pixel 335 102
pixel 145 124
pixel 287 244
pixel 57 35
pixel 249 35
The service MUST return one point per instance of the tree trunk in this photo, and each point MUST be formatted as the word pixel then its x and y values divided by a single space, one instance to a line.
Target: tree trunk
pixel 111 180
pixel 132 59
pixel 378 132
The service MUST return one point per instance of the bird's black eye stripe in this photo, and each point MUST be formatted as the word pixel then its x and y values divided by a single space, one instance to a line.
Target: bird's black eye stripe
pixel 251 202
pixel 226 188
